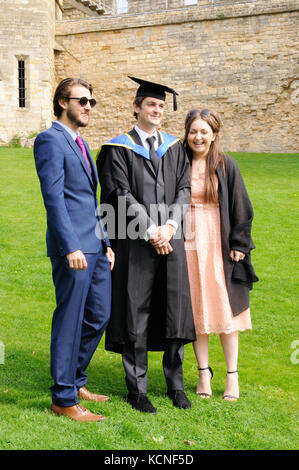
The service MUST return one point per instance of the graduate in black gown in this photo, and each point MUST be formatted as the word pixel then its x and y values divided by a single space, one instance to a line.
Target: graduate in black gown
pixel 144 175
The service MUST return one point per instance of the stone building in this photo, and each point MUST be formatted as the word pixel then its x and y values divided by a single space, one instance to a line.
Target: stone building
pixel 239 57
pixel 27 35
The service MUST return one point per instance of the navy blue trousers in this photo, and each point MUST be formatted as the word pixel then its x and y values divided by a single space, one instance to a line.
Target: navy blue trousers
pixel 83 301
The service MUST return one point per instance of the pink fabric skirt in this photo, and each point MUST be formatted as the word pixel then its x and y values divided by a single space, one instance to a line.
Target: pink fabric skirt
pixel 210 303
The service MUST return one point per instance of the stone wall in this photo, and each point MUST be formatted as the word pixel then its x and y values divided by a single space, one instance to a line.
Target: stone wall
pixel 70 13
pixel 143 6
pixel 239 59
pixel 27 32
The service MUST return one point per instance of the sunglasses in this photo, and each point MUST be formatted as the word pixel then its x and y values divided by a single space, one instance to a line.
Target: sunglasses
pixel 203 112
pixel 82 101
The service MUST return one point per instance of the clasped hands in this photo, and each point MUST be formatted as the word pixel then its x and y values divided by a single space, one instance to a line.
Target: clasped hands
pixel 160 239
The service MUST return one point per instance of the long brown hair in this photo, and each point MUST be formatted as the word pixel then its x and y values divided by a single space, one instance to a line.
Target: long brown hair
pixel 214 156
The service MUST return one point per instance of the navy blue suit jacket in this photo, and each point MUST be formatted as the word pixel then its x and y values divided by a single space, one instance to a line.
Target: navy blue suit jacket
pixel 69 193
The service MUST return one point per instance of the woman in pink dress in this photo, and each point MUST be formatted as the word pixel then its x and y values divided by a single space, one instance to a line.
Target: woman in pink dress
pixel 218 245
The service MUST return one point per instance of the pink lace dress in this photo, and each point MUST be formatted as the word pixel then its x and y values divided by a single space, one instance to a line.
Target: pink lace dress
pixel 211 308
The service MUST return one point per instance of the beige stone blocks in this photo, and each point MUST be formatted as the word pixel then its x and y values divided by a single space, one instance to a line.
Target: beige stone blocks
pixel 242 65
pixel 28 33
pixel 239 58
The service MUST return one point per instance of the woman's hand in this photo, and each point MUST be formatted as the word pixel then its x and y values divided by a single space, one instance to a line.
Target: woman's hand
pixel 236 255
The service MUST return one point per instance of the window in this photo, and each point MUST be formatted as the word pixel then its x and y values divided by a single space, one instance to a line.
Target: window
pixel 21 77
pixel 122 6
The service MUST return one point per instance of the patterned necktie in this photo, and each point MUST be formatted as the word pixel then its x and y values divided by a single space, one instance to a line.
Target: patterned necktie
pixel 154 156
pixel 79 141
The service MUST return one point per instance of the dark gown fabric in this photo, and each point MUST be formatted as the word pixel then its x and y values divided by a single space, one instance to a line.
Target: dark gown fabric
pixel 121 174
pixel 236 215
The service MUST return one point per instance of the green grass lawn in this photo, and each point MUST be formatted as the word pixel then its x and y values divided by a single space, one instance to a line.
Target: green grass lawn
pixel 266 415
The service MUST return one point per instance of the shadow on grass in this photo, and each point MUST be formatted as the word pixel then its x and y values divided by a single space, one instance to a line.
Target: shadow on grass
pixel 26 377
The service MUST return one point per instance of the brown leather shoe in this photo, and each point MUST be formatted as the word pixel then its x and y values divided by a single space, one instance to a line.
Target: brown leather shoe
pixel 86 395
pixel 76 412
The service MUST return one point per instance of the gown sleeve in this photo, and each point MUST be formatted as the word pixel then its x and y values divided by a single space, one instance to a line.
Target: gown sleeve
pixel 183 189
pixel 114 174
pixel 241 211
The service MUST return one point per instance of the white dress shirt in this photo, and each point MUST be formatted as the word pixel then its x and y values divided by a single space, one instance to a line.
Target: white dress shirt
pixel 72 133
pixel 143 136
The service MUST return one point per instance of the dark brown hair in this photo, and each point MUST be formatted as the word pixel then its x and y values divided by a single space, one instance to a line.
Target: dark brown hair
pixel 64 90
pixel 138 102
pixel 214 156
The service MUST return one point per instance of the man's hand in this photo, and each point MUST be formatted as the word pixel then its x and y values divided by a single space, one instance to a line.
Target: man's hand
pixel 163 235
pixel 77 260
pixel 111 257
pixel 164 250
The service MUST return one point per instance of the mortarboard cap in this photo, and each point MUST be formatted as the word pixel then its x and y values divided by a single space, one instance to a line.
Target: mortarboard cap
pixel 154 90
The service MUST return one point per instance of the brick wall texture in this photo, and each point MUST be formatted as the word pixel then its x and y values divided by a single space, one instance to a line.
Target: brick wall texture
pixel 240 59
pixel 27 32
pixel 237 57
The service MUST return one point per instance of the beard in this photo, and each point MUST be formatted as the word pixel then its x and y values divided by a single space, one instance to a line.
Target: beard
pixel 75 119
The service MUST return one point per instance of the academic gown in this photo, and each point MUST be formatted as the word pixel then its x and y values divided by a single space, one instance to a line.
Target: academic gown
pixel 120 165
pixel 236 215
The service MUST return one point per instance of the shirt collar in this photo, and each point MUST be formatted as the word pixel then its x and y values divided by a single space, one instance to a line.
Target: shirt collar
pixel 144 135
pixel 73 134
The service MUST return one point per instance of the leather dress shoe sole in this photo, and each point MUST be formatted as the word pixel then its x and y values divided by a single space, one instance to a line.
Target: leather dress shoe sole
pixel 88 396
pixel 77 412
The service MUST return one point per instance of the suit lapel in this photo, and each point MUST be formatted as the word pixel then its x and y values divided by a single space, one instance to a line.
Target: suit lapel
pixel 78 152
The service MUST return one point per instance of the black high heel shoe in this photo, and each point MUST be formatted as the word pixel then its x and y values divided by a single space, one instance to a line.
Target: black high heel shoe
pixel 232 397
pixel 202 394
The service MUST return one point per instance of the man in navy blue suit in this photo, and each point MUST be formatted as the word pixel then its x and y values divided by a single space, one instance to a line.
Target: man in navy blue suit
pixel 78 246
